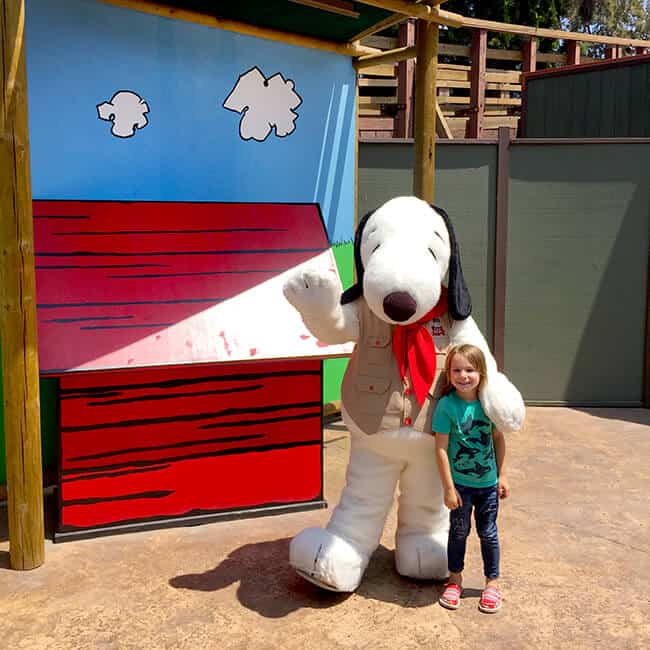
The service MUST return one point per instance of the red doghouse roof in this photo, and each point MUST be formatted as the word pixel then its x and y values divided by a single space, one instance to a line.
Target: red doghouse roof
pixel 138 284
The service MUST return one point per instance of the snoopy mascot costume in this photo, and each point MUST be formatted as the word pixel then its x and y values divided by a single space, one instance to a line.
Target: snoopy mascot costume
pixel 409 306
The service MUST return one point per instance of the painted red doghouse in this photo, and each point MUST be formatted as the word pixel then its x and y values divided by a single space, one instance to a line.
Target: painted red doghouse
pixel 189 390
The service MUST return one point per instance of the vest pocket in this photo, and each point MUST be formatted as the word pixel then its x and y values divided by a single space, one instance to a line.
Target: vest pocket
pixel 377 352
pixel 372 394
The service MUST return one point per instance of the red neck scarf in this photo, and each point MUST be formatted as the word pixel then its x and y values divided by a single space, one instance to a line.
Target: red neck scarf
pixel 415 350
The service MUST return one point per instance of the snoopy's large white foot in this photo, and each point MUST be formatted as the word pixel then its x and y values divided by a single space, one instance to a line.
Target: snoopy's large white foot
pixel 327 560
pixel 422 556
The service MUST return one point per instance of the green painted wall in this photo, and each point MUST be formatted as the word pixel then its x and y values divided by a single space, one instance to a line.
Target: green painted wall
pixel 611 102
pixel 333 369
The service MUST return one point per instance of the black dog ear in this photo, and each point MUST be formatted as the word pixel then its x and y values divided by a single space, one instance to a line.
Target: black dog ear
pixel 460 302
pixel 356 290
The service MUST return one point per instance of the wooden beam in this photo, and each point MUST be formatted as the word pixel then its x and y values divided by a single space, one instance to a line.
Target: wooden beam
pixel 405 53
pixel 530 55
pixel 391 56
pixel 417 10
pixel 442 127
pixel 541 32
pixel 339 7
pixel 185 15
pixel 405 76
pixel 18 342
pixel 477 82
pixel 456 20
pixel 573 53
pixel 425 115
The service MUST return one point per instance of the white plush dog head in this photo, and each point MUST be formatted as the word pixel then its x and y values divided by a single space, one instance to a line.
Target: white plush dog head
pixel 404 252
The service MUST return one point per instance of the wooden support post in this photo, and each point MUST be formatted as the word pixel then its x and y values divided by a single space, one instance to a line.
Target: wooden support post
pixel 478 73
pixel 18 342
pixel 426 70
pixel 611 52
pixel 573 53
pixel 530 55
pixel 403 126
pixel 501 245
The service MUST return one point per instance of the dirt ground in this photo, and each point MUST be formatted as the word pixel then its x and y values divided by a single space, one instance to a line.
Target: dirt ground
pixel 575 566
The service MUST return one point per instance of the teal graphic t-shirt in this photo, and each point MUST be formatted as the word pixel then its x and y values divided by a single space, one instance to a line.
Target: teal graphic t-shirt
pixel 470 448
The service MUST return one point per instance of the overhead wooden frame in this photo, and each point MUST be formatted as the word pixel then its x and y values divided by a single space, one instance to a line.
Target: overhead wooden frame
pixel 147 6
pixel 437 15
pixel 391 21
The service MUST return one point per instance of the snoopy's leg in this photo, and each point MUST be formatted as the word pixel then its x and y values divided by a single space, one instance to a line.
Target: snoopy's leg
pixel 336 557
pixel 422 521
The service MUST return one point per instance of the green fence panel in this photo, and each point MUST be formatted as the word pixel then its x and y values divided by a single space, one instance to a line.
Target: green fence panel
pixel 610 101
pixel 465 188
pixel 577 272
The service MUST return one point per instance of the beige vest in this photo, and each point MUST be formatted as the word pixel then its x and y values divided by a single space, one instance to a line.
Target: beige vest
pixel 373 392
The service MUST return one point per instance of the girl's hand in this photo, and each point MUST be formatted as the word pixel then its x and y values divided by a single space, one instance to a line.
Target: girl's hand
pixel 452 499
pixel 503 487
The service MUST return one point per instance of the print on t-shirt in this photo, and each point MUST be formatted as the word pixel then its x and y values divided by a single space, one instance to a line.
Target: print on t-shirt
pixel 474 453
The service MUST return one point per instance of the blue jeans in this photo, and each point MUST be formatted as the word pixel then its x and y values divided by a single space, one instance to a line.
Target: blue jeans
pixel 485 502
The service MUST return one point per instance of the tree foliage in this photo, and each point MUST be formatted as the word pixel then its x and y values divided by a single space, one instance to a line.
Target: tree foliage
pixel 537 13
pixel 608 18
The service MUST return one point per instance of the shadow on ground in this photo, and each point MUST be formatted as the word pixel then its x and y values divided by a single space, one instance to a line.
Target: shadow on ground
pixel 269 586
pixel 635 416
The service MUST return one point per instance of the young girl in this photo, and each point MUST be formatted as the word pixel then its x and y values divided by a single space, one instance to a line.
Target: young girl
pixel 470 453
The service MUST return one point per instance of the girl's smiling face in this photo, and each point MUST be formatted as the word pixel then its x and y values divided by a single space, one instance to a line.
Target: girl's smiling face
pixel 464 377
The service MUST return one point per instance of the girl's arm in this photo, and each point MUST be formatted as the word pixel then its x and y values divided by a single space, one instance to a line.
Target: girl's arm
pixel 452 498
pixel 500 453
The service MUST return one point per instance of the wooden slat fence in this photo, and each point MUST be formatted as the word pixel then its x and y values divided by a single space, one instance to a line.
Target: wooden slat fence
pixel 386 91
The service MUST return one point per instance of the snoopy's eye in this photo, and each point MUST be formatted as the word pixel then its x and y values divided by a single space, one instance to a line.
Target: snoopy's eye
pixel 434 255
pixel 375 248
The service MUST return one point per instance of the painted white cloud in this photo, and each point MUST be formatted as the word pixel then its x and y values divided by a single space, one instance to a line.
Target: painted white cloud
pixel 265 104
pixel 127 111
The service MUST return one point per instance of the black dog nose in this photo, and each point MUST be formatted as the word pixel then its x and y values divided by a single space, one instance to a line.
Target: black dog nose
pixel 399 306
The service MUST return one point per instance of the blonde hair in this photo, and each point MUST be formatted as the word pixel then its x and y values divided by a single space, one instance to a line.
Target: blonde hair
pixel 476 358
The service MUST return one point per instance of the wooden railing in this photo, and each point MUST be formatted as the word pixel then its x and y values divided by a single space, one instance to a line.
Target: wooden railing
pixel 474 98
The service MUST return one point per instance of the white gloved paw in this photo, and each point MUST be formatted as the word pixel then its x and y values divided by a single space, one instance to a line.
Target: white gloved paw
pixel 503 403
pixel 312 293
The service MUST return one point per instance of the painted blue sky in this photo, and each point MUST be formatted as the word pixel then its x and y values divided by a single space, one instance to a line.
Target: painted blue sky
pixel 80 53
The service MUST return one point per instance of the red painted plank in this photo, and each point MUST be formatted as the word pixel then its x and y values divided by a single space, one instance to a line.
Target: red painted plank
pixel 209 485
pixel 156 458
pixel 140 284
